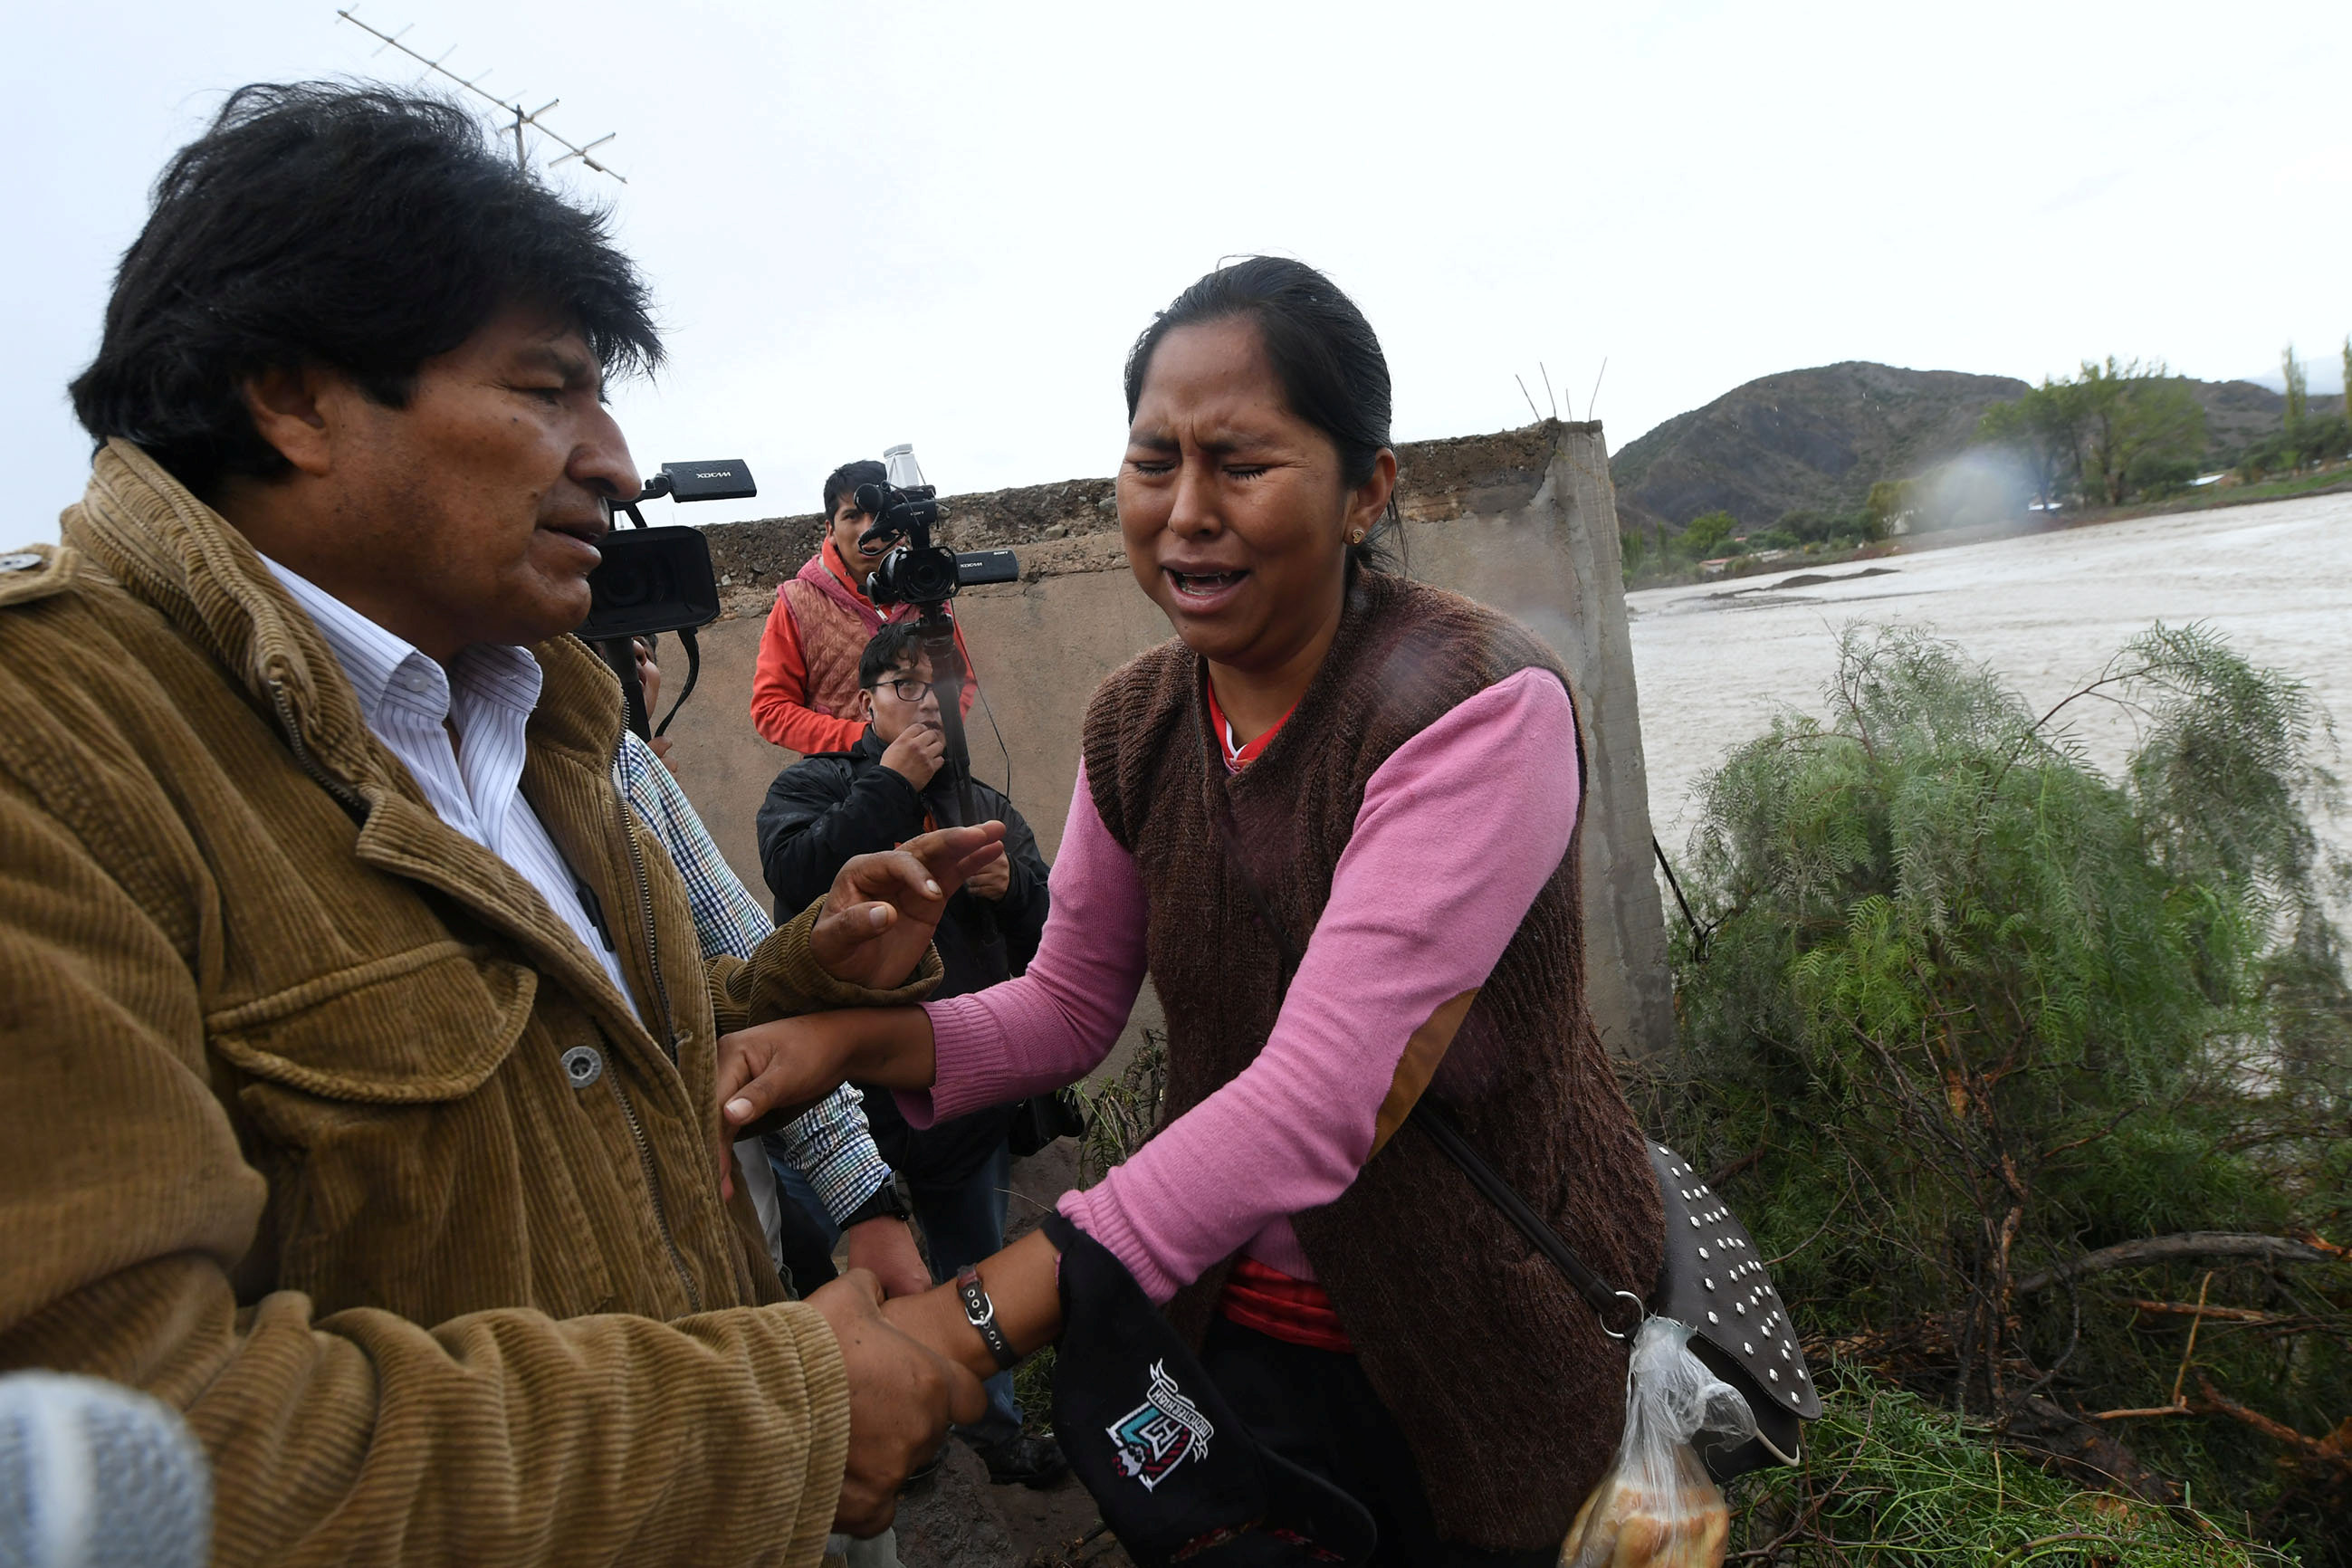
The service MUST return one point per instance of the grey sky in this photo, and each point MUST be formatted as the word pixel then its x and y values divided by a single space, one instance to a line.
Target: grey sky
pixel 944 223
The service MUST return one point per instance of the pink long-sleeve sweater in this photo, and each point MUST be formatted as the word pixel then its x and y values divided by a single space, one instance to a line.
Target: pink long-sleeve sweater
pixel 1459 830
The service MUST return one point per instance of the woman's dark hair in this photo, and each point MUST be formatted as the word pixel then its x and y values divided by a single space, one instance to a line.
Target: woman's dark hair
pixel 845 481
pixel 1324 352
pixel 893 646
pixel 355 228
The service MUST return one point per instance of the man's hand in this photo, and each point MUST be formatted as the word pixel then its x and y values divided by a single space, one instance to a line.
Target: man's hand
pixel 916 754
pixel 878 918
pixel 887 1247
pixel 901 1399
pixel 660 745
pixel 773 1071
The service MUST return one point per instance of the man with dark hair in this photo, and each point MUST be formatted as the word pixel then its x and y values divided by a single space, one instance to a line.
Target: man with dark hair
pixel 868 797
pixel 356 1071
pixel 805 694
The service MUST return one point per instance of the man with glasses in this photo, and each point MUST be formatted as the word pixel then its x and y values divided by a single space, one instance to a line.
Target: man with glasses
pixel 878 793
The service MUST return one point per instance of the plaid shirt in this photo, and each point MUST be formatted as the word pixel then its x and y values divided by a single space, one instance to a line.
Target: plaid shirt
pixel 831 1144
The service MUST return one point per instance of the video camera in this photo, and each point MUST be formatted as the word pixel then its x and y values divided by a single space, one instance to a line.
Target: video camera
pixel 918 572
pixel 926 576
pixel 655 579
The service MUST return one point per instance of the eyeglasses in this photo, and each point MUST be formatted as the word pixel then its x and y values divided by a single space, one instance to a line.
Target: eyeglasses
pixel 905 690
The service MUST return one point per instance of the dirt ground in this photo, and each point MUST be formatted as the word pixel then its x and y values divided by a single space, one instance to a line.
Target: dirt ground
pixel 957 1520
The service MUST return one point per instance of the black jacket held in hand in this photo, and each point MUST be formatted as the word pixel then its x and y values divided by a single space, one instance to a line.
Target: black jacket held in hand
pixel 829 807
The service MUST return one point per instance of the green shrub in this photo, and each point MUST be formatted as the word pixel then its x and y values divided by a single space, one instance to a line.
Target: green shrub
pixel 1890 1482
pixel 1706 535
pixel 1631 547
pixel 1841 529
pixel 2156 475
pixel 1967 1010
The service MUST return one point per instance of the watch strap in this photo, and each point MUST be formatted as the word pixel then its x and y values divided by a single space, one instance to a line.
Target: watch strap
pixel 980 1314
pixel 882 1203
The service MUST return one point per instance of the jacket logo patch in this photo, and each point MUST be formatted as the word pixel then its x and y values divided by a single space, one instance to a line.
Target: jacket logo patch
pixel 1160 1433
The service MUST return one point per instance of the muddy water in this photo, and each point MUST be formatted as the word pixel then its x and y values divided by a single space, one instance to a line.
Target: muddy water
pixel 2045 611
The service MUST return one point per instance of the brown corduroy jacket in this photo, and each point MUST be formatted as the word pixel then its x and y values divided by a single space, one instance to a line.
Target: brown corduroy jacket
pixel 287 1132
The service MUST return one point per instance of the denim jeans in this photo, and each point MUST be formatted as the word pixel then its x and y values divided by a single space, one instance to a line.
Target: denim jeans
pixel 962 1223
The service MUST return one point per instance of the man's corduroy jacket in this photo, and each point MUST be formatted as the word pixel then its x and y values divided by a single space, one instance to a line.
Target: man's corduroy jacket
pixel 317 1123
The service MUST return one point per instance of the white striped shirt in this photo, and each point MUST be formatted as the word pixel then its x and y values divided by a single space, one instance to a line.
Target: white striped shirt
pixel 475 784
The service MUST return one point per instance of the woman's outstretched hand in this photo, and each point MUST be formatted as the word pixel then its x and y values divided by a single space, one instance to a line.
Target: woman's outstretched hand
pixel 878 918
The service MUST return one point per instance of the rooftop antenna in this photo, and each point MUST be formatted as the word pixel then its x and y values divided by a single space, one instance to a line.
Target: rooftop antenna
pixel 522 117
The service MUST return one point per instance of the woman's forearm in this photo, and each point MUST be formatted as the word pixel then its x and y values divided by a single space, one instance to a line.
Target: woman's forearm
pixel 891 1047
pixel 1022 1281
pixel 1057 1023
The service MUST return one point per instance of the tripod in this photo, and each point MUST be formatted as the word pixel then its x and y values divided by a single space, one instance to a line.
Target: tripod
pixel 961 805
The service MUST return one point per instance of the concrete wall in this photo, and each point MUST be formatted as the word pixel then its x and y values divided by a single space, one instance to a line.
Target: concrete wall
pixel 1524 521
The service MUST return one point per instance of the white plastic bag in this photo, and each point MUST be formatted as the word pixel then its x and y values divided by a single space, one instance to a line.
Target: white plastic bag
pixel 1657 1506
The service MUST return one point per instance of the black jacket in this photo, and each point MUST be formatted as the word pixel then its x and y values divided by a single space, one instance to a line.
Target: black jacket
pixel 826 808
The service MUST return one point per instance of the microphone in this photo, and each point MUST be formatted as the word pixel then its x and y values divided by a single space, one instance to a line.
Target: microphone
pixel 94 1475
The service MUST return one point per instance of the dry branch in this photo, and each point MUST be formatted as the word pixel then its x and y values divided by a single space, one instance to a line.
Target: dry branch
pixel 2196 1244
pixel 2184 1309
pixel 2323 1451
pixel 2080 1447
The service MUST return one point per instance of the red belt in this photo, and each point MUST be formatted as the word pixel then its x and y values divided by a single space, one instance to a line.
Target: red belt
pixel 1297 1311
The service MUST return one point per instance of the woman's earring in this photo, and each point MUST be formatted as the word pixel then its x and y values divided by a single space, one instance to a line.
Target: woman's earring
pixel 1356 536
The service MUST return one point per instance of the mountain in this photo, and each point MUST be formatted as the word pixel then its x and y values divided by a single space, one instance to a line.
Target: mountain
pixel 1818 439
pixel 2240 413
pixel 1804 440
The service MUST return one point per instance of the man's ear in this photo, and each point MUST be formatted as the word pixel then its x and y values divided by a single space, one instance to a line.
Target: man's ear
pixel 865 704
pixel 289 406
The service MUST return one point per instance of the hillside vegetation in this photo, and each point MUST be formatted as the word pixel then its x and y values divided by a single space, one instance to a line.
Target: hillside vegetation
pixel 1811 443
pixel 1802 440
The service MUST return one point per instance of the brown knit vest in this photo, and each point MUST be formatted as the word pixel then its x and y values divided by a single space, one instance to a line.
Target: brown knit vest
pixel 1508 1392
pixel 833 639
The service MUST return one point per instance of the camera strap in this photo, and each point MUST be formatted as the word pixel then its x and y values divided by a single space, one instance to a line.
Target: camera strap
pixel 620 657
pixel 693 673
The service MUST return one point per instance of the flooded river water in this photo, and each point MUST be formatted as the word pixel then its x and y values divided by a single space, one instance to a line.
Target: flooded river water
pixel 2045 611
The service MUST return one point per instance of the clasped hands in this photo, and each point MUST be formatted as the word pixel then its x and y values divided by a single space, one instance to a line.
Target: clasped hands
pixel 874 928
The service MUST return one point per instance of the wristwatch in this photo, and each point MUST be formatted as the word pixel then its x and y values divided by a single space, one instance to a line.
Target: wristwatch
pixel 882 1203
pixel 980 1314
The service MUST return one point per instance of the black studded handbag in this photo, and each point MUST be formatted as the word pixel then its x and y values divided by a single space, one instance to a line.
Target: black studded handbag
pixel 1710 1277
